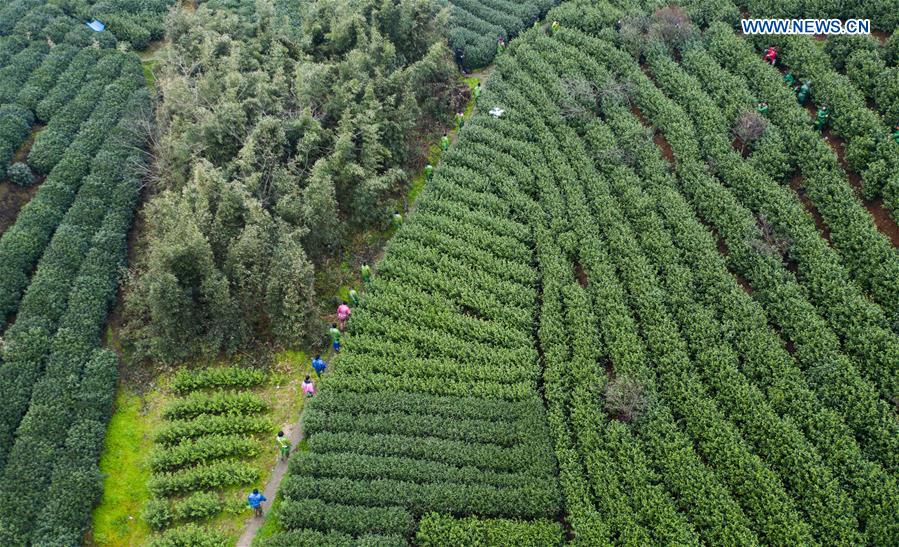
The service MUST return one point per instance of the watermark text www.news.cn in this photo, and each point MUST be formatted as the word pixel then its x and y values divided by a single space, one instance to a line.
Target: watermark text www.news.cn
pixel 806 26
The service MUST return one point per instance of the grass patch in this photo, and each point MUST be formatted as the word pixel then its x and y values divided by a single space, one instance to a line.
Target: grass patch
pixel 149 75
pixel 116 521
pixel 153 52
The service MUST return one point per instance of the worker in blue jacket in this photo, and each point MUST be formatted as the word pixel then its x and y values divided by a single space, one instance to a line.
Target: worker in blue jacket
pixel 256 500
pixel 319 365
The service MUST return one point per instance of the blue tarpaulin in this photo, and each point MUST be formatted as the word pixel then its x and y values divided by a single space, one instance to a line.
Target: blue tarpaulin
pixel 96 26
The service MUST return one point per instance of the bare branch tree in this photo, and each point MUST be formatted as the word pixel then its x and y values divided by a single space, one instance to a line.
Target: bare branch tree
pixel 581 98
pixel 770 242
pixel 749 128
pixel 672 26
pixel 615 93
pixel 625 399
pixel 144 131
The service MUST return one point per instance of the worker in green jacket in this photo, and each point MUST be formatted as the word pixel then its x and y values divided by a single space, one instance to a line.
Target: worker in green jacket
pixel 444 142
pixel 762 108
pixel 334 332
pixel 365 272
pixel 896 133
pixel 429 172
pixel 500 45
pixel 821 118
pixel 283 445
pixel 460 120
pixel 553 28
pixel 477 93
pixel 804 91
pixel 397 220
pixel 354 297
pixel 789 80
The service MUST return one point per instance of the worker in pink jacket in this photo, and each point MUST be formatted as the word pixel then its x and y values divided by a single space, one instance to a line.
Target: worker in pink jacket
pixel 343 313
pixel 308 387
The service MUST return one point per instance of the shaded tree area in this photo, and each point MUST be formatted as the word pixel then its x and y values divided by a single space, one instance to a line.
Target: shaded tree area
pixel 281 131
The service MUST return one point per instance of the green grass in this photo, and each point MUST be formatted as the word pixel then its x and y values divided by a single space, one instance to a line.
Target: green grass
pixel 116 521
pixel 149 75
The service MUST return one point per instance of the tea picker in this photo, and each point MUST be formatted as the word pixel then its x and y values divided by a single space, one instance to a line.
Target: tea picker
pixel 804 92
pixel 343 313
pixel 334 332
pixel 821 118
pixel 319 365
pixel 283 445
pixel 255 499
pixel 460 59
pixel 308 387
pixel 789 80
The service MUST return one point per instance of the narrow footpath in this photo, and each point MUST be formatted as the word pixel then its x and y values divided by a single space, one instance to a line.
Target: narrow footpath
pixel 294 431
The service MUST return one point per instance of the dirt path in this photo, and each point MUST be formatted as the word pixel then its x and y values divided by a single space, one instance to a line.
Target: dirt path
pixel 294 432
pixel 12 198
pixel 798 186
pixel 483 76
pixel 657 137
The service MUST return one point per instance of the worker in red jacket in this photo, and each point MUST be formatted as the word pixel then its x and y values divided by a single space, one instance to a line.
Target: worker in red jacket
pixel 771 55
